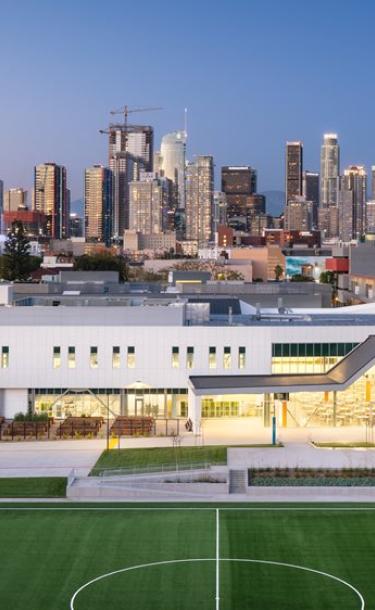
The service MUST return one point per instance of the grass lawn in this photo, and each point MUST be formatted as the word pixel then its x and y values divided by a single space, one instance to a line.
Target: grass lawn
pixel 157 456
pixel 33 487
pixel 47 555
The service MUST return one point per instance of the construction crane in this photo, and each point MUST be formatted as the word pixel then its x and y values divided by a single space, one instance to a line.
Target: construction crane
pixel 125 111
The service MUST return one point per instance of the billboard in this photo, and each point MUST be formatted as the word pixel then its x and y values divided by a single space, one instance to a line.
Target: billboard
pixel 308 266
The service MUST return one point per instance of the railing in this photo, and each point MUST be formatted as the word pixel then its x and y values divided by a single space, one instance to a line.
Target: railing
pixel 153 469
pixel 71 478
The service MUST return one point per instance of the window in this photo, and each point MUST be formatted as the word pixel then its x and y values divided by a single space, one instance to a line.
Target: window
pixel 175 357
pixel 212 358
pixel 94 362
pixel 131 358
pixel 71 357
pixel 4 357
pixel 227 357
pixel 190 357
pixel 56 357
pixel 116 357
pixel 241 357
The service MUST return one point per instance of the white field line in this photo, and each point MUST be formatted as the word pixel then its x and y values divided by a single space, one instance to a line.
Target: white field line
pixel 189 508
pixel 272 563
pixel 217 598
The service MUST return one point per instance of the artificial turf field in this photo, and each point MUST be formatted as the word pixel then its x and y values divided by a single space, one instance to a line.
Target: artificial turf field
pixel 47 554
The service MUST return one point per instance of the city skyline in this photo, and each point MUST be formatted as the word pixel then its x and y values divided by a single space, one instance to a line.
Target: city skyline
pixel 250 127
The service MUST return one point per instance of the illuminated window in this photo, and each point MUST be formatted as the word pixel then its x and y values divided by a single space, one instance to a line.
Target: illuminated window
pixel 241 357
pixel 5 357
pixel 190 357
pixel 56 357
pixel 131 357
pixel 116 357
pixel 212 358
pixel 227 358
pixel 71 357
pixel 175 357
pixel 94 362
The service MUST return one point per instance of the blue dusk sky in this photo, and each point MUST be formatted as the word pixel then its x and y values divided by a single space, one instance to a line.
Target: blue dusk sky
pixel 252 75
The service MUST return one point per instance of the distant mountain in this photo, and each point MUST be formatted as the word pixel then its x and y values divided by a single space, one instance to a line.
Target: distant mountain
pixel 274 202
pixel 77 207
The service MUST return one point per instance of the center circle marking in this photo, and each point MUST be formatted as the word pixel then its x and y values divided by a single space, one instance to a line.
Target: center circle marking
pixel 261 561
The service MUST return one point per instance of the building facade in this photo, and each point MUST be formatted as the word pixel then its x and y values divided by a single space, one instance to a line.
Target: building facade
pixel 15 199
pixel 181 360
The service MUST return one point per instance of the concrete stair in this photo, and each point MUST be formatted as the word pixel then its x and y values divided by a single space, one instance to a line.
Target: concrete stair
pixel 237 481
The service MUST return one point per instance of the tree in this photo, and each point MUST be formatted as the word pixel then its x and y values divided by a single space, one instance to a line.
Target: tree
pixel 103 261
pixel 278 270
pixel 16 259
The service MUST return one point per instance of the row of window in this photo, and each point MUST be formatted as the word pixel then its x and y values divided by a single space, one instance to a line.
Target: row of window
pixel 130 357
pixel 94 357
pixel 298 350
pixel 212 357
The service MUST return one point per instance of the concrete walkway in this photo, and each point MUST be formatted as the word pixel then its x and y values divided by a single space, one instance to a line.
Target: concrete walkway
pixel 48 458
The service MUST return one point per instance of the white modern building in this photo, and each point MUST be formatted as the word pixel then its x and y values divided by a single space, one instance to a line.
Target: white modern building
pixel 198 359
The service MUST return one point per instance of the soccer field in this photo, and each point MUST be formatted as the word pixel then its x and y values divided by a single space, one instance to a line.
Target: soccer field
pixel 187 557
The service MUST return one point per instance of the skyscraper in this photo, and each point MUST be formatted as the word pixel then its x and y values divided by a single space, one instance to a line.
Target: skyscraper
pixel 310 191
pixel 352 203
pixel 199 199
pixel 51 197
pixel 219 212
pixel 130 151
pixel 173 163
pixel 98 204
pixel 293 173
pixel 298 215
pixel 329 170
pixel 149 204
pixel 137 140
pixel 238 183
pixel 373 182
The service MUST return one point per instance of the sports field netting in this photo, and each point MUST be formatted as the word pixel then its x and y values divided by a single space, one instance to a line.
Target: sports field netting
pixel 160 558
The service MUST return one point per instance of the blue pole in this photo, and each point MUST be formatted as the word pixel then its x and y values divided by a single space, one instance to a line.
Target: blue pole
pixel 273 430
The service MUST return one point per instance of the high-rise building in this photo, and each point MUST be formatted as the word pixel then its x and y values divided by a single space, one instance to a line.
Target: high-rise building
pixel 131 150
pixel 373 182
pixel 219 212
pixel 98 204
pixel 310 191
pixel 293 173
pixel 199 199
pixel 173 163
pixel 15 199
pixel 76 225
pixel 370 216
pixel 238 183
pixel 298 215
pixel 51 197
pixel 149 204
pixel 137 140
pixel 329 170
pixel 352 203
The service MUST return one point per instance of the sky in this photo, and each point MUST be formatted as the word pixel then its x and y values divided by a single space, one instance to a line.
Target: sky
pixel 252 75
